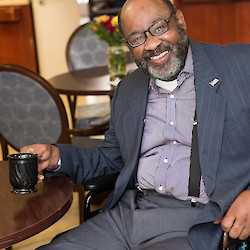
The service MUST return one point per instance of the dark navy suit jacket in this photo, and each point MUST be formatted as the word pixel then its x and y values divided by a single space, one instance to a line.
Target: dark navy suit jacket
pixel 222 83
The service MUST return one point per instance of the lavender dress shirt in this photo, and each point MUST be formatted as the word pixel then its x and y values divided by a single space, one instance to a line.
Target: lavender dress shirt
pixel 166 145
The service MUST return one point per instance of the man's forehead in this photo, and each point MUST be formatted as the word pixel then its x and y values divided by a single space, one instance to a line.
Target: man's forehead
pixel 138 15
pixel 141 6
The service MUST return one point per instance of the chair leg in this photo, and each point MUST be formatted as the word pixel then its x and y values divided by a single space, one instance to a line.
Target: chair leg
pixel 79 189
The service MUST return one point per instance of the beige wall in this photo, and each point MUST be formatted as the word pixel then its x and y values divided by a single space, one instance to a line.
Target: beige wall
pixel 54 22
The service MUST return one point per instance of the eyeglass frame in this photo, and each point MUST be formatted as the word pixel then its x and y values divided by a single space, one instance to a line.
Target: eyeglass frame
pixel 148 30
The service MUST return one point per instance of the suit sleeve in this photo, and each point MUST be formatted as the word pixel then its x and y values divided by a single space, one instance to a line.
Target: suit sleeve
pixel 82 164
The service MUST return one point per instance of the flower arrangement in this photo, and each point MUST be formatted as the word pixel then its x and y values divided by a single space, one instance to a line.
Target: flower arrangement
pixel 106 29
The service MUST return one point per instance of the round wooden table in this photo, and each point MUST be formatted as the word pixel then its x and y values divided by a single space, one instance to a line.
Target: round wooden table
pixel 24 215
pixel 92 81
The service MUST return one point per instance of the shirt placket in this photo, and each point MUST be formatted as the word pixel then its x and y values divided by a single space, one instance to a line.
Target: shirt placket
pixel 167 152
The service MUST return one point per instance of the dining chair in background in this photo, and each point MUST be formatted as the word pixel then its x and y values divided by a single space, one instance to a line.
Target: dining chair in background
pixel 33 112
pixel 84 50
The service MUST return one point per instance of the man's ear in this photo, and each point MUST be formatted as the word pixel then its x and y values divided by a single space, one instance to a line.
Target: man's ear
pixel 180 19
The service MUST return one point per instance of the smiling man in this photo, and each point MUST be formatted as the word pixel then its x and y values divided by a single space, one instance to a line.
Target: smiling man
pixel 157 203
pixel 157 38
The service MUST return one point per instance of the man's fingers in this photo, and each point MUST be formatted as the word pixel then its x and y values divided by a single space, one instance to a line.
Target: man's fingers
pixel 48 155
pixel 27 149
pixel 40 178
pixel 244 234
pixel 236 225
pixel 219 220
pixel 236 229
pixel 228 221
pixel 237 218
pixel 35 149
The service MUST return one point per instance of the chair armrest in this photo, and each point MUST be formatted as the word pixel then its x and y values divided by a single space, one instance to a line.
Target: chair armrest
pixel 101 183
pixel 97 186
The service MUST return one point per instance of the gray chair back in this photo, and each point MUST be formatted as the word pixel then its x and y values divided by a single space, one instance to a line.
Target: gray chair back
pixel 85 50
pixel 29 109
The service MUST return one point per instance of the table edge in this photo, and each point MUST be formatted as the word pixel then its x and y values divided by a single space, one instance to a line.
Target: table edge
pixel 40 226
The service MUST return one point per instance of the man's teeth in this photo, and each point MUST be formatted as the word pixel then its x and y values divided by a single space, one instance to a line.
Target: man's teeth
pixel 159 56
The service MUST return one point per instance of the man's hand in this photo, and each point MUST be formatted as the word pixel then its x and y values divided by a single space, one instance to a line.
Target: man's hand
pixel 236 221
pixel 48 155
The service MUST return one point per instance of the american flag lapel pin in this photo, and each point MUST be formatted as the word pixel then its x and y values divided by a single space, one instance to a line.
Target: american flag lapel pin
pixel 214 82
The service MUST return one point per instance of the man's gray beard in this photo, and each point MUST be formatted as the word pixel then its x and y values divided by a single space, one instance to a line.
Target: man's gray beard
pixel 179 57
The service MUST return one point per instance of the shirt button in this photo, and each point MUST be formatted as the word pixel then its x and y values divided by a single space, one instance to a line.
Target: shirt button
pixel 160 188
pixel 165 160
pixel 171 123
pixel 172 96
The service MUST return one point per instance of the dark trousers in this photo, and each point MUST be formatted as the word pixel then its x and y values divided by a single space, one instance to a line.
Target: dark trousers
pixel 145 220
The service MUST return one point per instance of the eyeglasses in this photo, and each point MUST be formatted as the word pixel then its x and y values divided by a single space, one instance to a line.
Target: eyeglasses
pixel 156 29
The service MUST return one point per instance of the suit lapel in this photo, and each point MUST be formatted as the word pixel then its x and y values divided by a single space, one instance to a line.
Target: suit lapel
pixel 210 114
pixel 134 113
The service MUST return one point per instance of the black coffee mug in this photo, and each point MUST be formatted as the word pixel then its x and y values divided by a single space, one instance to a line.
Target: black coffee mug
pixel 23 170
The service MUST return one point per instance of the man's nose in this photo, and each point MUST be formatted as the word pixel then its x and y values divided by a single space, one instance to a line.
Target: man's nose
pixel 152 42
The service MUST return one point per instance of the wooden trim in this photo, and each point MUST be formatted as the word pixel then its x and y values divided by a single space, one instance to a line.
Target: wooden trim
pixel 11 14
pixel 197 1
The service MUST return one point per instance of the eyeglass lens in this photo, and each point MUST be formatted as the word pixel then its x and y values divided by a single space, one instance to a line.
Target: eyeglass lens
pixel 156 29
